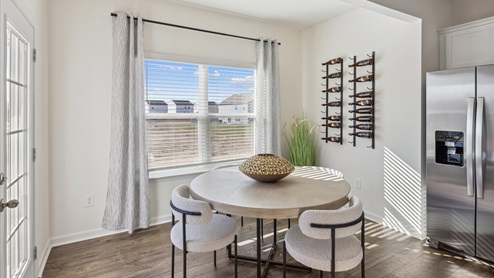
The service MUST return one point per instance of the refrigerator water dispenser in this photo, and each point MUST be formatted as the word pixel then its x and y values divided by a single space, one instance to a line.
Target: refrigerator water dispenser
pixel 449 147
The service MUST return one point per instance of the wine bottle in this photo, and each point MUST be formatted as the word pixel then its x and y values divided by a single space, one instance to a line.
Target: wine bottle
pixel 363 63
pixel 362 126
pixel 362 119
pixel 332 104
pixel 333 61
pixel 364 78
pixel 362 111
pixel 332 75
pixel 364 102
pixel 333 125
pixel 332 90
pixel 332 118
pixel 363 94
pixel 332 139
pixel 363 134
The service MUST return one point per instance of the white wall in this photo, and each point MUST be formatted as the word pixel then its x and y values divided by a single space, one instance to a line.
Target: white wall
pixel 390 173
pixel 80 69
pixel 470 10
pixel 35 11
pixel 435 15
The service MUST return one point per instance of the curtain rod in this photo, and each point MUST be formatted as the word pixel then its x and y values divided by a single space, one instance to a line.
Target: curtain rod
pixel 195 29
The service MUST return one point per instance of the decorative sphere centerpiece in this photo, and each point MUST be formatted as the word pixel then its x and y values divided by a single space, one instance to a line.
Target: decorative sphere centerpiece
pixel 266 167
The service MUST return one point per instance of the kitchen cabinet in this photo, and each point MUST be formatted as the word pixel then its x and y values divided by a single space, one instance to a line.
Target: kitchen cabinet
pixel 466 45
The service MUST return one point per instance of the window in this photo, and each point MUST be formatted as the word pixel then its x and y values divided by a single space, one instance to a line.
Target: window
pixel 197 113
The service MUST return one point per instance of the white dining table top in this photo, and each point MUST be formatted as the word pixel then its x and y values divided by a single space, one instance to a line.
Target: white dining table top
pixel 230 191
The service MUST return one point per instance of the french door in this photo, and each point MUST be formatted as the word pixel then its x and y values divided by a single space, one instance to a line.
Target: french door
pixel 16 143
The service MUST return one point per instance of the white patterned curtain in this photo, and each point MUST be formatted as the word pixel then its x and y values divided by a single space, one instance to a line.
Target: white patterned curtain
pixel 127 201
pixel 267 104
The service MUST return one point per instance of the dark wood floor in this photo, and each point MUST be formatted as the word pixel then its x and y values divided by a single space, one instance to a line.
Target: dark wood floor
pixel 146 253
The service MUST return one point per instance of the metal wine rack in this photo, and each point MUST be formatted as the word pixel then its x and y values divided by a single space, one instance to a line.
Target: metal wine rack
pixel 369 101
pixel 330 88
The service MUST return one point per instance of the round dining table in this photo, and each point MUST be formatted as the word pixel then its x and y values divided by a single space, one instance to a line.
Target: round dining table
pixel 229 191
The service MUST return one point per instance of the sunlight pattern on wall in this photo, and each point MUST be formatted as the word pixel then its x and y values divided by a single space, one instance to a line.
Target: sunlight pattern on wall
pixel 404 207
pixel 318 173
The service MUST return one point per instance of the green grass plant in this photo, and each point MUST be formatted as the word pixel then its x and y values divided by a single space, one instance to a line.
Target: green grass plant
pixel 300 142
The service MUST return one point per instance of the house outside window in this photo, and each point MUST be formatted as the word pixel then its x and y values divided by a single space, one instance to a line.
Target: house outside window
pixel 200 124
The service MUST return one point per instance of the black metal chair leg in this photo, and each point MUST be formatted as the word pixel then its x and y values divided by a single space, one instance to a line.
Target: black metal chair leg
pixel 289 223
pixel 214 252
pixel 362 242
pixel 173 248
pixel 236 268
pixel 333 252
pixel 173 260
pixel 258 247
pixel 275 232
pixel 262 229
pixel 284 259
pixel 320 273
pixel 242 221
pixel 185 264
pixel 229 246
pixel 184 239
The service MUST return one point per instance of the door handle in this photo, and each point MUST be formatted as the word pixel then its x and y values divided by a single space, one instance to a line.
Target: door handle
pixel 3 178
pixel 480 147
pixel 10 204
pixel 469 143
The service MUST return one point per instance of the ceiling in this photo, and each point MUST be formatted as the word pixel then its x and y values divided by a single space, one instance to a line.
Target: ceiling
pixel 299 14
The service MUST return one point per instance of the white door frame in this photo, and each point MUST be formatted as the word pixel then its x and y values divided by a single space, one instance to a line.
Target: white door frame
pixel 10 12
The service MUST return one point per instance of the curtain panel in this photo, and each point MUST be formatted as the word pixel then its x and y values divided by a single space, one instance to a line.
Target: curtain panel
pixel 127 200
pixel 267 103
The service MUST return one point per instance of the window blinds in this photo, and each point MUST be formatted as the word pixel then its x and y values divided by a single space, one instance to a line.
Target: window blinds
pixel 197 113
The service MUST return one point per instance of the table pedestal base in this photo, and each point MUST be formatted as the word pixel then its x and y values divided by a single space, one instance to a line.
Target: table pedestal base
pixel 269 260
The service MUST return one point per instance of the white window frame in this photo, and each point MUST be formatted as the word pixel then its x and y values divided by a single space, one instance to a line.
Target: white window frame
pixel 203 117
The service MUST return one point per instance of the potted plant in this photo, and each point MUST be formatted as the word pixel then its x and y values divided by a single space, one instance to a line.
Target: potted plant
pixel 300 142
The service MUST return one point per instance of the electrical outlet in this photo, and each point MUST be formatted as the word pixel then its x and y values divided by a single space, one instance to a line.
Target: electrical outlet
pixel 358 184
pixel 89 201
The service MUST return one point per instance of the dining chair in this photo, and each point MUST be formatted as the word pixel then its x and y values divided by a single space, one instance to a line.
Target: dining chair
pixel 317 171
pixel 198 229
pixel 325 240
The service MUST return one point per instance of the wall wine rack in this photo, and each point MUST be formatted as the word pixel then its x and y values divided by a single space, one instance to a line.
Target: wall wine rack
pixel 363 111
pixel 335 119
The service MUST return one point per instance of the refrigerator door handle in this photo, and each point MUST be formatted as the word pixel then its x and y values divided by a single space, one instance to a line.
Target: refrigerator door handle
pixel 480 147
pixel 469 143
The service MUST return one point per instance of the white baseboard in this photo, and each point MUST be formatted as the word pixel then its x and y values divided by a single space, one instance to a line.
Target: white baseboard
pixel 100 232
pixel 41 261
pixel 374 217
pixel 89 234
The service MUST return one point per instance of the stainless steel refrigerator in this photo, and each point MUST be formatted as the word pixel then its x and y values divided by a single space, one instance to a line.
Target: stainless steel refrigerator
pixel 460 160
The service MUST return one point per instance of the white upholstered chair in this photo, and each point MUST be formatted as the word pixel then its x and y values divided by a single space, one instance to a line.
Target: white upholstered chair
pixel 198 229
pixel 325 240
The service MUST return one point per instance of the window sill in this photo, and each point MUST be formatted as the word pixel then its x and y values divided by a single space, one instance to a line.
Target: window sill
pixel 190 170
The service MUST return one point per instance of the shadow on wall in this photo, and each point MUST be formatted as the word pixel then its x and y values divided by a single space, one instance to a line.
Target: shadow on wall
pixel 404 199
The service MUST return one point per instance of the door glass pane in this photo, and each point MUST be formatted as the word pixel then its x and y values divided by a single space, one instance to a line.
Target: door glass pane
pixel 22 62
pixel 12 152
pixel 22 208
pixel 21 168
pixel 22 106
pixel 8 42
pixel 14 58
pixel 14 107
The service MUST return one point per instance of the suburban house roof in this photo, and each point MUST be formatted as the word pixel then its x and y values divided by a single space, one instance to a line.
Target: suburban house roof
pixel 156 102
pixel 182 102
pixel 238 99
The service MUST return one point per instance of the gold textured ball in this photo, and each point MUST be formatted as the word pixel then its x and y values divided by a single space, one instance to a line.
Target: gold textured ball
pixel 266 167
